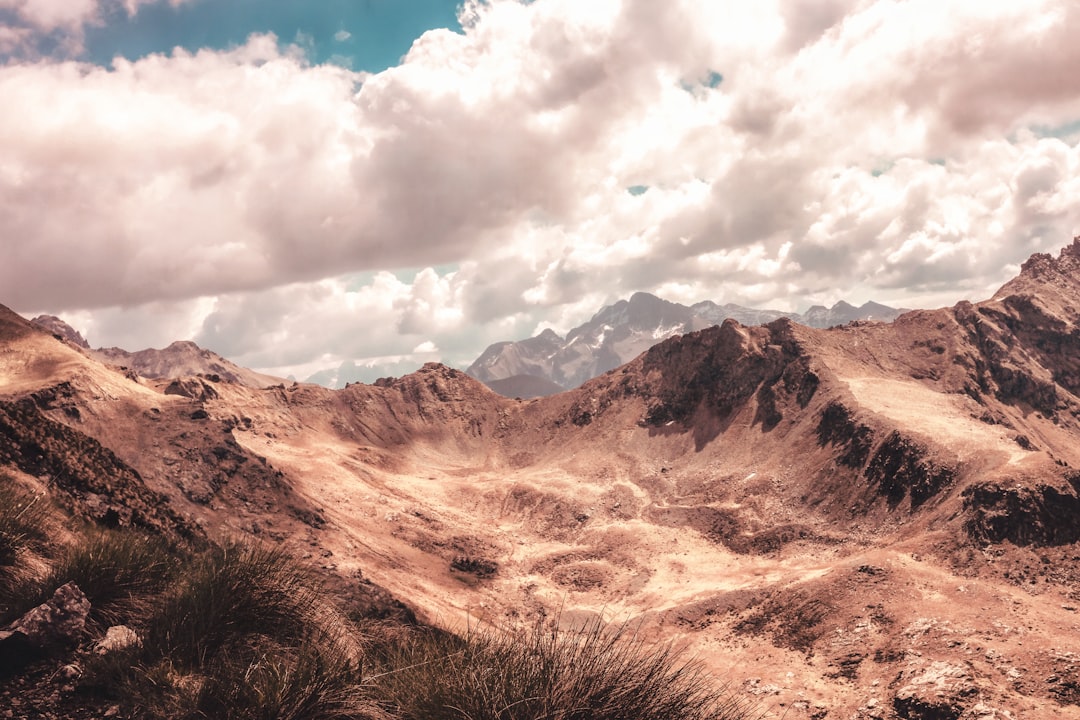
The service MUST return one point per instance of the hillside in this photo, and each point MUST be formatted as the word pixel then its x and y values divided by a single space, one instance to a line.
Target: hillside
pixel 869 521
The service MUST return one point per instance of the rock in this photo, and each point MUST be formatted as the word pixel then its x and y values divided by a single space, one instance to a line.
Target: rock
pixel 981 711
pixel 938 692
pixel 193 388
pixel 118 637
pixel 59 622
pixel 70 672
pixel 51 626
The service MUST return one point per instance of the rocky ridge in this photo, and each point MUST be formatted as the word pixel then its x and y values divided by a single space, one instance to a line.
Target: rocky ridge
pixel 549 363
pixel 180 359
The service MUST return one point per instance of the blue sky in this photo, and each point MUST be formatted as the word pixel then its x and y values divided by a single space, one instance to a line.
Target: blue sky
pixel 301 211
pixel 368 35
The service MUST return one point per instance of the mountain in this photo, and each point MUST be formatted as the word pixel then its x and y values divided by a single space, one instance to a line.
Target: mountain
pixel 61 329
pixel 842 313
pixel 181 358
pixel 620 332
pixel 184 358
pixel 872 520
pixel 614 335
pixel 524 387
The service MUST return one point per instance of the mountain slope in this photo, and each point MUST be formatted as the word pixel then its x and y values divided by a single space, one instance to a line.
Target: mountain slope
pixel 620 332
pixel 866 521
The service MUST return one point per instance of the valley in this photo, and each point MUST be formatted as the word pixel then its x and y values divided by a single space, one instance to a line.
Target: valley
pixel 870 521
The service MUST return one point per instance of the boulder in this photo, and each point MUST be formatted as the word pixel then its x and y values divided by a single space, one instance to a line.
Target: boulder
pixel 50 627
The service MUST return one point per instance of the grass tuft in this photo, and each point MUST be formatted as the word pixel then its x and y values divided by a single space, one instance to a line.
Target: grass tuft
pixel 25 526
pixel 314 681
pixel 589 674
pixel 231 592
pixel 120 571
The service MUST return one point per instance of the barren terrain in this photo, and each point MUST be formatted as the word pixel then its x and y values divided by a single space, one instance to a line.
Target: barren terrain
pixel 872 521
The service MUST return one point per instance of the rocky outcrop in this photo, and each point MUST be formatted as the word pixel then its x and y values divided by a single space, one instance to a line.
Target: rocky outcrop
pixel 193 388
pixel 938 691
pixel 1037 514
pixel 722 368
pixel 1027 337
pixel 61 330
pixel 53 626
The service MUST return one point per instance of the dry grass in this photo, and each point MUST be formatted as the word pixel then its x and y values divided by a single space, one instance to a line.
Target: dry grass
pixel 590 674
pixel 121 572
pixel 24 535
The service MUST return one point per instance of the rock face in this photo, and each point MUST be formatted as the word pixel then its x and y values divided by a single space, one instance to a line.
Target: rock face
pixel 620 332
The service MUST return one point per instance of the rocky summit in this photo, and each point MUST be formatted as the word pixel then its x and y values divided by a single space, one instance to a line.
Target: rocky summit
pixel 866 521
pixel 549 363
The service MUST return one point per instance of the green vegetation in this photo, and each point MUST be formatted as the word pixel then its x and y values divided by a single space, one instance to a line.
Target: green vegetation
pixel 240 632
pixel 245 632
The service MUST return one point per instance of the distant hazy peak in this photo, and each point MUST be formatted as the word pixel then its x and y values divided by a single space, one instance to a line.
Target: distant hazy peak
pixel 617 333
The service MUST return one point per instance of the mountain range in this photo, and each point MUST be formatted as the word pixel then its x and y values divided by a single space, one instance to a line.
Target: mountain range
pixel 180 359
pixel 549 363
pixel 876 520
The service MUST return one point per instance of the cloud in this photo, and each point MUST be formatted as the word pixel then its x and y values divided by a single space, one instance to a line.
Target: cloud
pixel 342 35
pixel 62 22
pixel 853 149
pixel 364 320
pixel 53 14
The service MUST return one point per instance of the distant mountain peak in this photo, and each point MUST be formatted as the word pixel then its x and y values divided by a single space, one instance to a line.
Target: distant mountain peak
pixel 181 358
pixel 619 332
pixel 187 347
pixel 56 326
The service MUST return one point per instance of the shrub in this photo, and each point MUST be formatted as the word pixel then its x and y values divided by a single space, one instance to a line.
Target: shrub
pixel 590 674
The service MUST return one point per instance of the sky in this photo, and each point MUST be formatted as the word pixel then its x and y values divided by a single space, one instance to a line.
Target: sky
pixel 305 184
